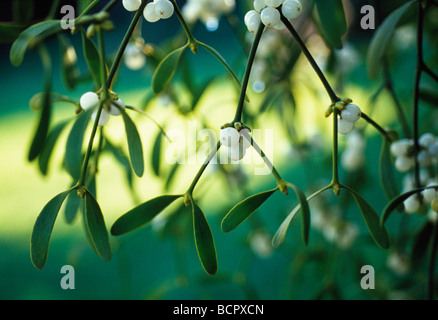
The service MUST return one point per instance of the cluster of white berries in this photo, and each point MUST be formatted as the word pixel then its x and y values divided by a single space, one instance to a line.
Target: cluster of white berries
pixel 403 151
pixel 348 116
pixel 414 203
pixel 91 100
pixel 154 11
pixel 267 12
pixel 398 262
pixel 353 157
pixel 237 142
pixel 134 57
pixel 208 11
pixel 327 219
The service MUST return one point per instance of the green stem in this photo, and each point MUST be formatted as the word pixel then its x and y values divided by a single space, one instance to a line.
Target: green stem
pixel 202 169
pixel 250 62
pixel 191 39
pixel 110 5
pixel 335 179
pixel 124 43
pixel 282 185
pixel 429 71
pixel 420 63
pixel 88 8
pixel 333 97
pixel 103 98
pixel 382 131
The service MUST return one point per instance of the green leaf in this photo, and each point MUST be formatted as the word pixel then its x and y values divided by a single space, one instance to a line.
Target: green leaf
pixel 372 221
pixel 71 207
pixel 398 201
pixel 204 240
pixel 46 152
pixel 141 214
pixel 96 227
pixel 171 175
pixel 332 23
pixel 244 209
pixel 40 136
pixel 166 69
pixel 42 230
pixel 31 38
pixel 387 176
pixel 73 147
pixel 305 222
pixel 381 38
pixel 37 101
pixel 121 158
pixel 134 145
pixel 156 153
pixel 92 57
pixel 280 235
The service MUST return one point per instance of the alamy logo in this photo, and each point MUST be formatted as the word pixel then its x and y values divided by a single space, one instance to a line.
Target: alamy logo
pixel 367 281
pixel 68 20
pixel 68 281
pixel 368 21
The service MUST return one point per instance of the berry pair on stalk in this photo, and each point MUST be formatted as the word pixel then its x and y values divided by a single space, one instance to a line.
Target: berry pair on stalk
pixel 349 114
pixel 237 141
pixel 267 12
pixel 91 100
pixel 154 11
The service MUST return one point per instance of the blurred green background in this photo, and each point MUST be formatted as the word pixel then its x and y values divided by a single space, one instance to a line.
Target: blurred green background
pixel 148 264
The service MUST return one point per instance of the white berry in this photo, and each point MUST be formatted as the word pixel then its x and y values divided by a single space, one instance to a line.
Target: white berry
pixel 344 126
pixel 115 107
pixel 270 16
pixel 426 140
pixel 89 100
pixel 433 149
pixel 352 159
pixel 103 119
pixel 259 5
pixel 131 5
pixel 149 13
pixel 164 9
pixel 411 204
pixel 229 137
pixel 248 16
pixel 404 164
pixel 252 21
pixel 291 9
pixel 430 193
pixel 400 148
pixel 134 57
pixel 273 3
pixel 351 113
